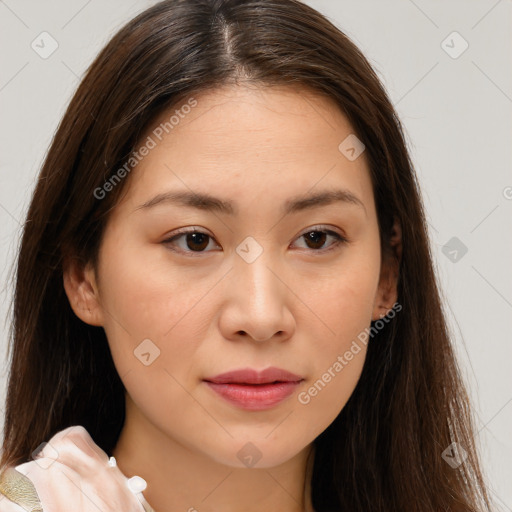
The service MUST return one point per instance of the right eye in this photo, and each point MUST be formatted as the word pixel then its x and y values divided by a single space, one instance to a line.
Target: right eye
pixel 192 241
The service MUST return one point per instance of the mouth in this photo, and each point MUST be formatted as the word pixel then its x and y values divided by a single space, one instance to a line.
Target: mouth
pixel 252 390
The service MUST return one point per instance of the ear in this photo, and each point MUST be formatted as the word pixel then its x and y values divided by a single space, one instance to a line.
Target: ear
pixel 387 292
pixel 82 291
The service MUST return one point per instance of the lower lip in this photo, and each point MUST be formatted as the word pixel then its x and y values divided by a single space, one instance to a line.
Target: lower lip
pixel 255 397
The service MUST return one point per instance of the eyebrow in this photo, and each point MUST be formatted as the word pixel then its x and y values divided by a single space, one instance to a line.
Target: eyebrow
pixel 207 202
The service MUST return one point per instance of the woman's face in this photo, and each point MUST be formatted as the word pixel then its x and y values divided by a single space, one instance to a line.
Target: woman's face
pixel 264 282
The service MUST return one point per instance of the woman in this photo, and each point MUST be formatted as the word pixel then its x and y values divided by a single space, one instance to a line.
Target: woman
pixel 224 285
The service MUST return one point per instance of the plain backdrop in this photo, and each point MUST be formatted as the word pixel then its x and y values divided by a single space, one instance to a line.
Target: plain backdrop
pixel 447 68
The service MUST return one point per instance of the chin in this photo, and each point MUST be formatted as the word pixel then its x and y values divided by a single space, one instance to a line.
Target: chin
pixel 257 452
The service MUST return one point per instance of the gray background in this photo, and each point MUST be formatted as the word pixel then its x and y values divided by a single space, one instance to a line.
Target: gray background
pixel 457 117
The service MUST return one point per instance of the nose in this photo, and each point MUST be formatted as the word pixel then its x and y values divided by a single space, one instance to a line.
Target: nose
pixel 257 303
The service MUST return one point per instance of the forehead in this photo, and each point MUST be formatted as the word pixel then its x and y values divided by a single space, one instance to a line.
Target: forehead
pixel 241 117
pixel 246 141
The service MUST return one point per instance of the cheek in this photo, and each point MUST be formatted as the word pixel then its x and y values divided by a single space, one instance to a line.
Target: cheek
pixel 144 298
pixel 321 400
pixel 344 304
pixel 153 325
pixel 344 299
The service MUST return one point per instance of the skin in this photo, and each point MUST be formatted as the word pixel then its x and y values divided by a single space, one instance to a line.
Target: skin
pixel 296 306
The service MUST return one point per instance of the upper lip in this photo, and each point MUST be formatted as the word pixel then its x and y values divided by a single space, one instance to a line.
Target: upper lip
pixel 252 376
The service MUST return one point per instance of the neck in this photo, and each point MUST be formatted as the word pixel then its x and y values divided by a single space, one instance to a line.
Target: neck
pixel 183 479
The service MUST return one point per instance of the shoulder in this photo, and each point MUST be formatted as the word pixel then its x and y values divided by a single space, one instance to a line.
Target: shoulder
pixel 64 469
pixel 53 467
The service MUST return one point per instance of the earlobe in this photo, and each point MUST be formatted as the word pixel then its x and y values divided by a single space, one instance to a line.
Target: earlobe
pixel 80 286
pixel 387 292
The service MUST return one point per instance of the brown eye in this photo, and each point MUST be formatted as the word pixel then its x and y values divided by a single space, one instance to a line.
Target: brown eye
pixel 196 241
pixel 316 239
pixel 190 241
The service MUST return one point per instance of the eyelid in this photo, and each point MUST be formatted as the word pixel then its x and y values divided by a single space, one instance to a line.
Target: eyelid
pixel 326 228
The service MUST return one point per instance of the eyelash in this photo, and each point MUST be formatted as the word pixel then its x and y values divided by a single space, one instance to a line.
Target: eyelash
pixel 340 240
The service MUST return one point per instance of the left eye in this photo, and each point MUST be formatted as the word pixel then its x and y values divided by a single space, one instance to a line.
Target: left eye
pixel 318 237
pixel 196 241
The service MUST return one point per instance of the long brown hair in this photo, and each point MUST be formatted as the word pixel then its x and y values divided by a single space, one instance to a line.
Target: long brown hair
pixel 384 452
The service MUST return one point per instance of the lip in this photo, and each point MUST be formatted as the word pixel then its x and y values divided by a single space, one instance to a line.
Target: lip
pixel 255 390
pixel 251 376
